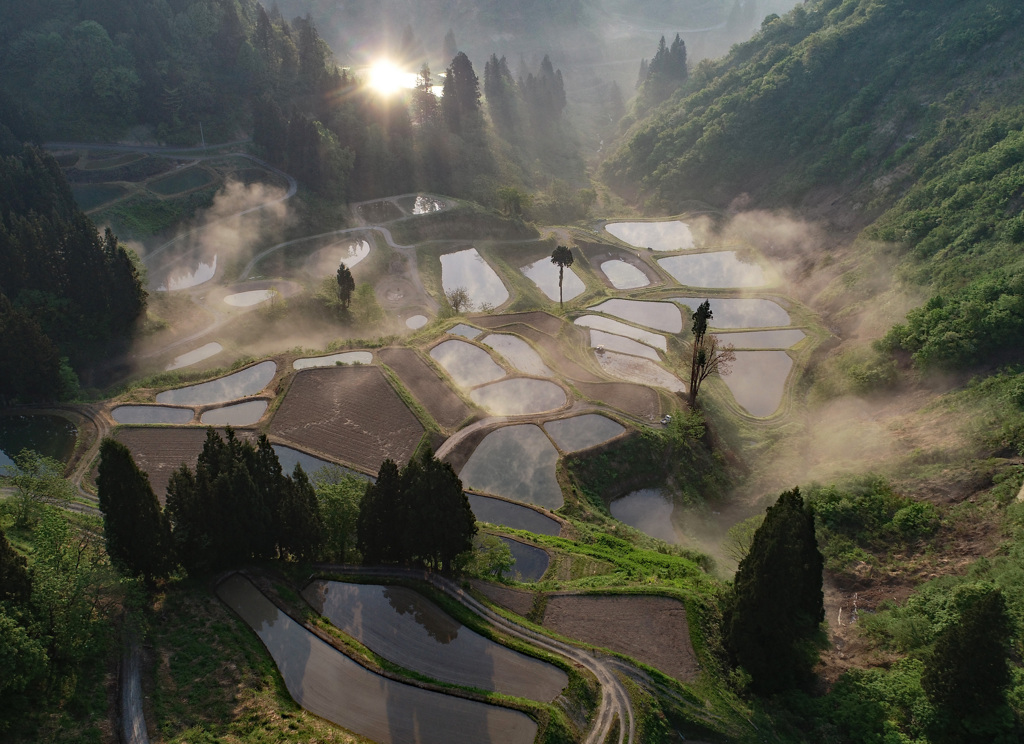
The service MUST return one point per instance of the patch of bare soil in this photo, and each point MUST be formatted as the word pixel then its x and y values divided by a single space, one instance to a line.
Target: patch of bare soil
pixel 543 322
pixel 351 414
pixel 159 451
pixel 518 601
pixel 653 630
pixel 554 350
pixel 636 400
pixel 447 408
pixel 598 253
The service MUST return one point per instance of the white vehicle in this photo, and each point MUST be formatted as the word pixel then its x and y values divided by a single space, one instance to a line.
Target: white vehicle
pixel 666 419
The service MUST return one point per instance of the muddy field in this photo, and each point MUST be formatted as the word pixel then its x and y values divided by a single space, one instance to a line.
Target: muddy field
pixel 651 629
pixel 542 321
pixel 518 601
pixel 636 400
pixel 351 414
pixel 427 387
pixel 161 451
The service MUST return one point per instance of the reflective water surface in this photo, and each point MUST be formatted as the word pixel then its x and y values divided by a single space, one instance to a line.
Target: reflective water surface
pixel 468 269
pixel 611 342
pixel 663 316
pixel 466 331
pixel 635 369
pixel 740 312
pixel 52 436
pixel 517 462
pixel 248 381
pixel 764 339
pixel 518 353
pixel 758 380
pixel 531 562
pixel 196 355
pixel 621 329
pixel 345 357
pixel 239 414
pixel 623 275
pixel 650 511
pixel 721 269
pixel 505 513
pixel 658 236
pixel 468 365
pixel 544 274
pixel 416 321
pixel 152 415
pixel 580 432
pixel 518 396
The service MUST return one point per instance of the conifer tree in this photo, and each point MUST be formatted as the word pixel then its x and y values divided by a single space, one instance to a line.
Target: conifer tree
pixel 346 285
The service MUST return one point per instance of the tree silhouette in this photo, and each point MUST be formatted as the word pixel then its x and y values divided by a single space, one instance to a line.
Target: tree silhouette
pixel 561 257
pixel 346 285
pixel 709 354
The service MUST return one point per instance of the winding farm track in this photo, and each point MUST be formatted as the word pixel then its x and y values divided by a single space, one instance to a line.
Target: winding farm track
pixel 615 702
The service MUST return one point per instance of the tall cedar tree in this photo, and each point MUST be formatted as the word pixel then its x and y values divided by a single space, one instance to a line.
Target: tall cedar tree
pixel 346 285
pixel 777 604
pixel 561 257
pixel 967 675
pixel 137 531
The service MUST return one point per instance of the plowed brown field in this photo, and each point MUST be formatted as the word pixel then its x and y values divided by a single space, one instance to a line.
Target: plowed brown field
pixel 636 400
pixel 427 387
pixel 350 414
pixel 542 321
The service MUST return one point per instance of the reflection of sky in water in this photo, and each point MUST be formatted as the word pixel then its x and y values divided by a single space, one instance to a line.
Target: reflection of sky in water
pixel 332 686
pixel 721 269
pixel 758 380
pixel 580 432
pixel 250 298
pixel 468 269
pixel 519 353
pixel 634 369
pixel 649 511
pixel 468 365
pixel 349 253
pixel 519 396
pixel 740 312
pixel 763 339
pixel 663 316
pixel 496 511
pixel 52 436
pixel 623 275
pixel 151 415
pixel 466 331
pixel 426 205
pixel 416 321
pixel 531 562
pixel 612 342
pixel 660 236
pixel 204 272
pixel 196 355
pixel 346 357
pixel 289 458
pixel 517 462
pixel 240 414
pixel 248 381
pixel 621 329
pixel 544 274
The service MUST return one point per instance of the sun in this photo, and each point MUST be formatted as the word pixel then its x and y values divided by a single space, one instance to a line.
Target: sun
pixel 386 78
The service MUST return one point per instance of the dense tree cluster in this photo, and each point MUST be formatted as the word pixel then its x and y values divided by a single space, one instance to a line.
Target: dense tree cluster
pixel 660 77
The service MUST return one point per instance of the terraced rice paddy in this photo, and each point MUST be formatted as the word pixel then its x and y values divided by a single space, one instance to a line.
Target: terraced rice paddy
pixel 621 329
pixel 531 563
pixel 290 457
pixel 192 275
pixel 658 236
pixel 250 298
pixel 468 270
pixel 783 339
pixel 642 371
pixel 518 463
pixel 241 384
pixel 52 436
pixel 650 511
pixel 466 331
pixel 507 514
pixel 611 342
pixel 238 414
pixel 422 204
pixel 152 415
pixel 636 400
pixel 662 316
pixel 740 312
pixel 467 364
pixel 544 274
pixel 195 356
pixel 758 380
pixel 518 353
pixel 426 386
pixel 332 360
pixel 623 275
pixel 580 432
pixel 332 686
pixel 416 321
pixel 406 628
pixel 720 269
pixel 519 396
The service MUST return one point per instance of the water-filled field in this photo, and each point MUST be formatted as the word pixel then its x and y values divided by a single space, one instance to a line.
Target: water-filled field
pixel 237 414
pixel 241 384
pixel 468 270
pixel 662 316
pixel 52 436
pixel 658 236
pixel 518 396
pixel 468 365
pixel 782 339
pixel 758 380
pixel 530 562
pixel 195 356
pixel 518 353
pixel 740 312
pixel 721 269
pixel 152 415
pixel 621 329
pixel 623 275
pixel 517 462
pixel 580 432
pixel 345 357
pixel 612 342
pixel 464 330
pixel 642 371
pixel 507 514
pixel 544 274
pixel 649 510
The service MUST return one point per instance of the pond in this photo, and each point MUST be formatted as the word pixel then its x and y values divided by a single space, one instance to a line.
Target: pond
pixel 519 354
pixel 329 684
pixel 241 384
pixel 658 236
pixel 758 380
pixel 467 269
pixel 623 275
pixel 416 321
pixel 650 511
pixel 721 269
pixel 466 331
pixel 196 355
pixel 467 364
pixel 408 629
pixel 740 312
pixel 238 414
pixel 611 342
pixel 621 329
pixel 325 261
pixel 178 278
pixel 289 458
pixel 250 298
pixel 345 357
pixel 152 415
pixel 422 204
pixel 517 462
pixel 51 436
pixel 530 562
pixel 643 371
pixel 544 274
pixel 507 514
pixel 663 316
pixel 579 432
pixel 519 396
pixel 763 339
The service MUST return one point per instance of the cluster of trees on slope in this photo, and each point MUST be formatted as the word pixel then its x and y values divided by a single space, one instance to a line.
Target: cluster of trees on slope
pixel 66 292
pixel 238 505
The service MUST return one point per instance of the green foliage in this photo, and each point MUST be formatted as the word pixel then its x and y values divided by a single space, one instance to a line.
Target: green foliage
pixel 492 558
pixel 36 480
pixel 340 495
pixel 346 285
pixel 15 584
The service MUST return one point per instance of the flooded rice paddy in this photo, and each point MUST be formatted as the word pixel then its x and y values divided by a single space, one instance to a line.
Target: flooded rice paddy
pixel 658 236
pixel 519 396
pixel 621 329
pixel 579 432
pixel 51 436
pixel 238 414
pixel 531 563
pixel 764 339
pixel 466 331
pixel 196 355
pixel 345 357
pixel 406 628
pixel 507 514
pixel 330 685
pixel 662 316
pixel 152 415
pixel 416 321
pixel 758 380
pixel 177 278
pixel 467 364
pixel 650 511
pixel 422 204
pixel 740 312
pixel 250 298
pixel 350 252
pixel 643 371
pixel 241 384
pixel 721 269
pixel 623 275
pixel 289 458
pixel 611 342
pixel 518 353
pixel 469 270
pixel 544 274
pixel 517 462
